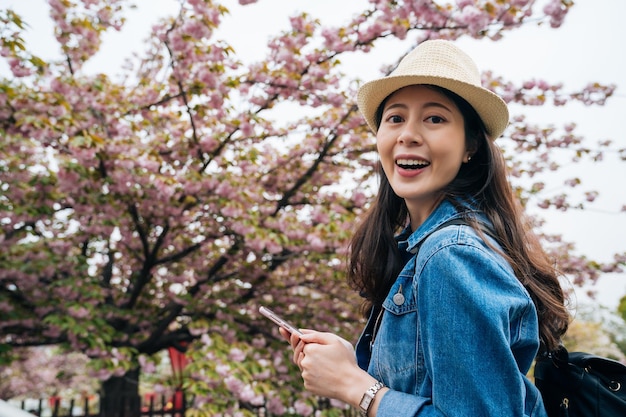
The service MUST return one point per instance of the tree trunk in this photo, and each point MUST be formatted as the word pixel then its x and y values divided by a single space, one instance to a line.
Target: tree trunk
pixel 119 396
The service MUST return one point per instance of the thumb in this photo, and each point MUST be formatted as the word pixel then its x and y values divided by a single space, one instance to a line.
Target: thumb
pixel 312 336
pixel 322 338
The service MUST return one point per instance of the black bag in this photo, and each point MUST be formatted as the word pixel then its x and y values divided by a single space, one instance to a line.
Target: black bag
pixel 578 384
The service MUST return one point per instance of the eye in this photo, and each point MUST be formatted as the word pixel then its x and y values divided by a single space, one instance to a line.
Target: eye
pixel 394 118
pixel 436 119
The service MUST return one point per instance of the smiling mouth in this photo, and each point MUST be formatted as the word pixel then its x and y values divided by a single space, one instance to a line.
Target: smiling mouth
pixel 411 163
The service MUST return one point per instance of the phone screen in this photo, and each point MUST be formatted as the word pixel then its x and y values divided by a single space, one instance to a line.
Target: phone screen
pixel 279 320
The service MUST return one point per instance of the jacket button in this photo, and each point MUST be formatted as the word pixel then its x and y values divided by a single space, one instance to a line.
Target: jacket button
pixel 398 299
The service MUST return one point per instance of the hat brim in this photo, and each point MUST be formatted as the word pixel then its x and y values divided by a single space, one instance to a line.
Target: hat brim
pixel 492 110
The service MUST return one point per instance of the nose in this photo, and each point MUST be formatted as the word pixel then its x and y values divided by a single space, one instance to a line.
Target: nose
pixel 410 135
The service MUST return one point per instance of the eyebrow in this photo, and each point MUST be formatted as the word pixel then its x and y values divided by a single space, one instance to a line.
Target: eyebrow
pixel 426 105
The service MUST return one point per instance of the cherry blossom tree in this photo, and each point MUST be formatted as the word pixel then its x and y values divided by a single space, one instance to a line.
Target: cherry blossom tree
pixel 54 372
pixel 163 208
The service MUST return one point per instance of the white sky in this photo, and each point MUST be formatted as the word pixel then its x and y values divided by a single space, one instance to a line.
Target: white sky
pixel 588 47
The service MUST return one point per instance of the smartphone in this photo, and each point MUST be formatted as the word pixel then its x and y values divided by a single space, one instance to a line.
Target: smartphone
pixel 279 320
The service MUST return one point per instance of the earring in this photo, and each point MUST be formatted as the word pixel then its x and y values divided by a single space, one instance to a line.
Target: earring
pixel 469 158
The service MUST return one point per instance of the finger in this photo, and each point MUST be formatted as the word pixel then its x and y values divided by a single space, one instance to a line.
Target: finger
pixel 296 358
pixel 300 360
pixel 294 339
pixel 284 333
pixel 299 348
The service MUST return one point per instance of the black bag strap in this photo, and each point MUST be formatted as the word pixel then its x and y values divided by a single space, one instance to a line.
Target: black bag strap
pixel 597 365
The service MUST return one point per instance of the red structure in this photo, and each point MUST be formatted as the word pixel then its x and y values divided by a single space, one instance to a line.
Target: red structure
pixel 179 361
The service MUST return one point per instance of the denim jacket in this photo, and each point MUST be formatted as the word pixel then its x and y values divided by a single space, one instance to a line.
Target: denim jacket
pixel 462 335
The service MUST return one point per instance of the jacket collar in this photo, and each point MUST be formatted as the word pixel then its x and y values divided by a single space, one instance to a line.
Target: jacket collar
pixel 442 213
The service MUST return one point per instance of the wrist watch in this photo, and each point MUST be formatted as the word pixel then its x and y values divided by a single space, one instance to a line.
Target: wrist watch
pixel 368 397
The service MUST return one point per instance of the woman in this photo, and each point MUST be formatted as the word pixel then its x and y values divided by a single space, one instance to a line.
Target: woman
pixel 460 295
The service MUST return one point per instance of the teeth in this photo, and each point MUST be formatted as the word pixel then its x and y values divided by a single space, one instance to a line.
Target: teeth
pixel 411 162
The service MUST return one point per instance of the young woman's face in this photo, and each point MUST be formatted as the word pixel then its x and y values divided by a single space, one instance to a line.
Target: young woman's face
pixel 421 143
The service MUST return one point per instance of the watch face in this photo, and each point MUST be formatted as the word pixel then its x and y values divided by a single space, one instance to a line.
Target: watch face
pixel 365 402
pixel 368 396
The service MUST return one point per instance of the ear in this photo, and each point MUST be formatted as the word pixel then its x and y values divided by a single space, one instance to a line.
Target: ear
pixel 470 149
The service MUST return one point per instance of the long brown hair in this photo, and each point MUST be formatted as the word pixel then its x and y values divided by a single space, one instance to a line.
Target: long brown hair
pixel 375 260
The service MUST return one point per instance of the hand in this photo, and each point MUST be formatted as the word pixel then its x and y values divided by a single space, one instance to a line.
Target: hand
pixel 328 365
pixel 327 362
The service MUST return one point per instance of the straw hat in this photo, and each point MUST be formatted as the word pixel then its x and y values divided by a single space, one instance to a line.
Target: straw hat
pixel 441 63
